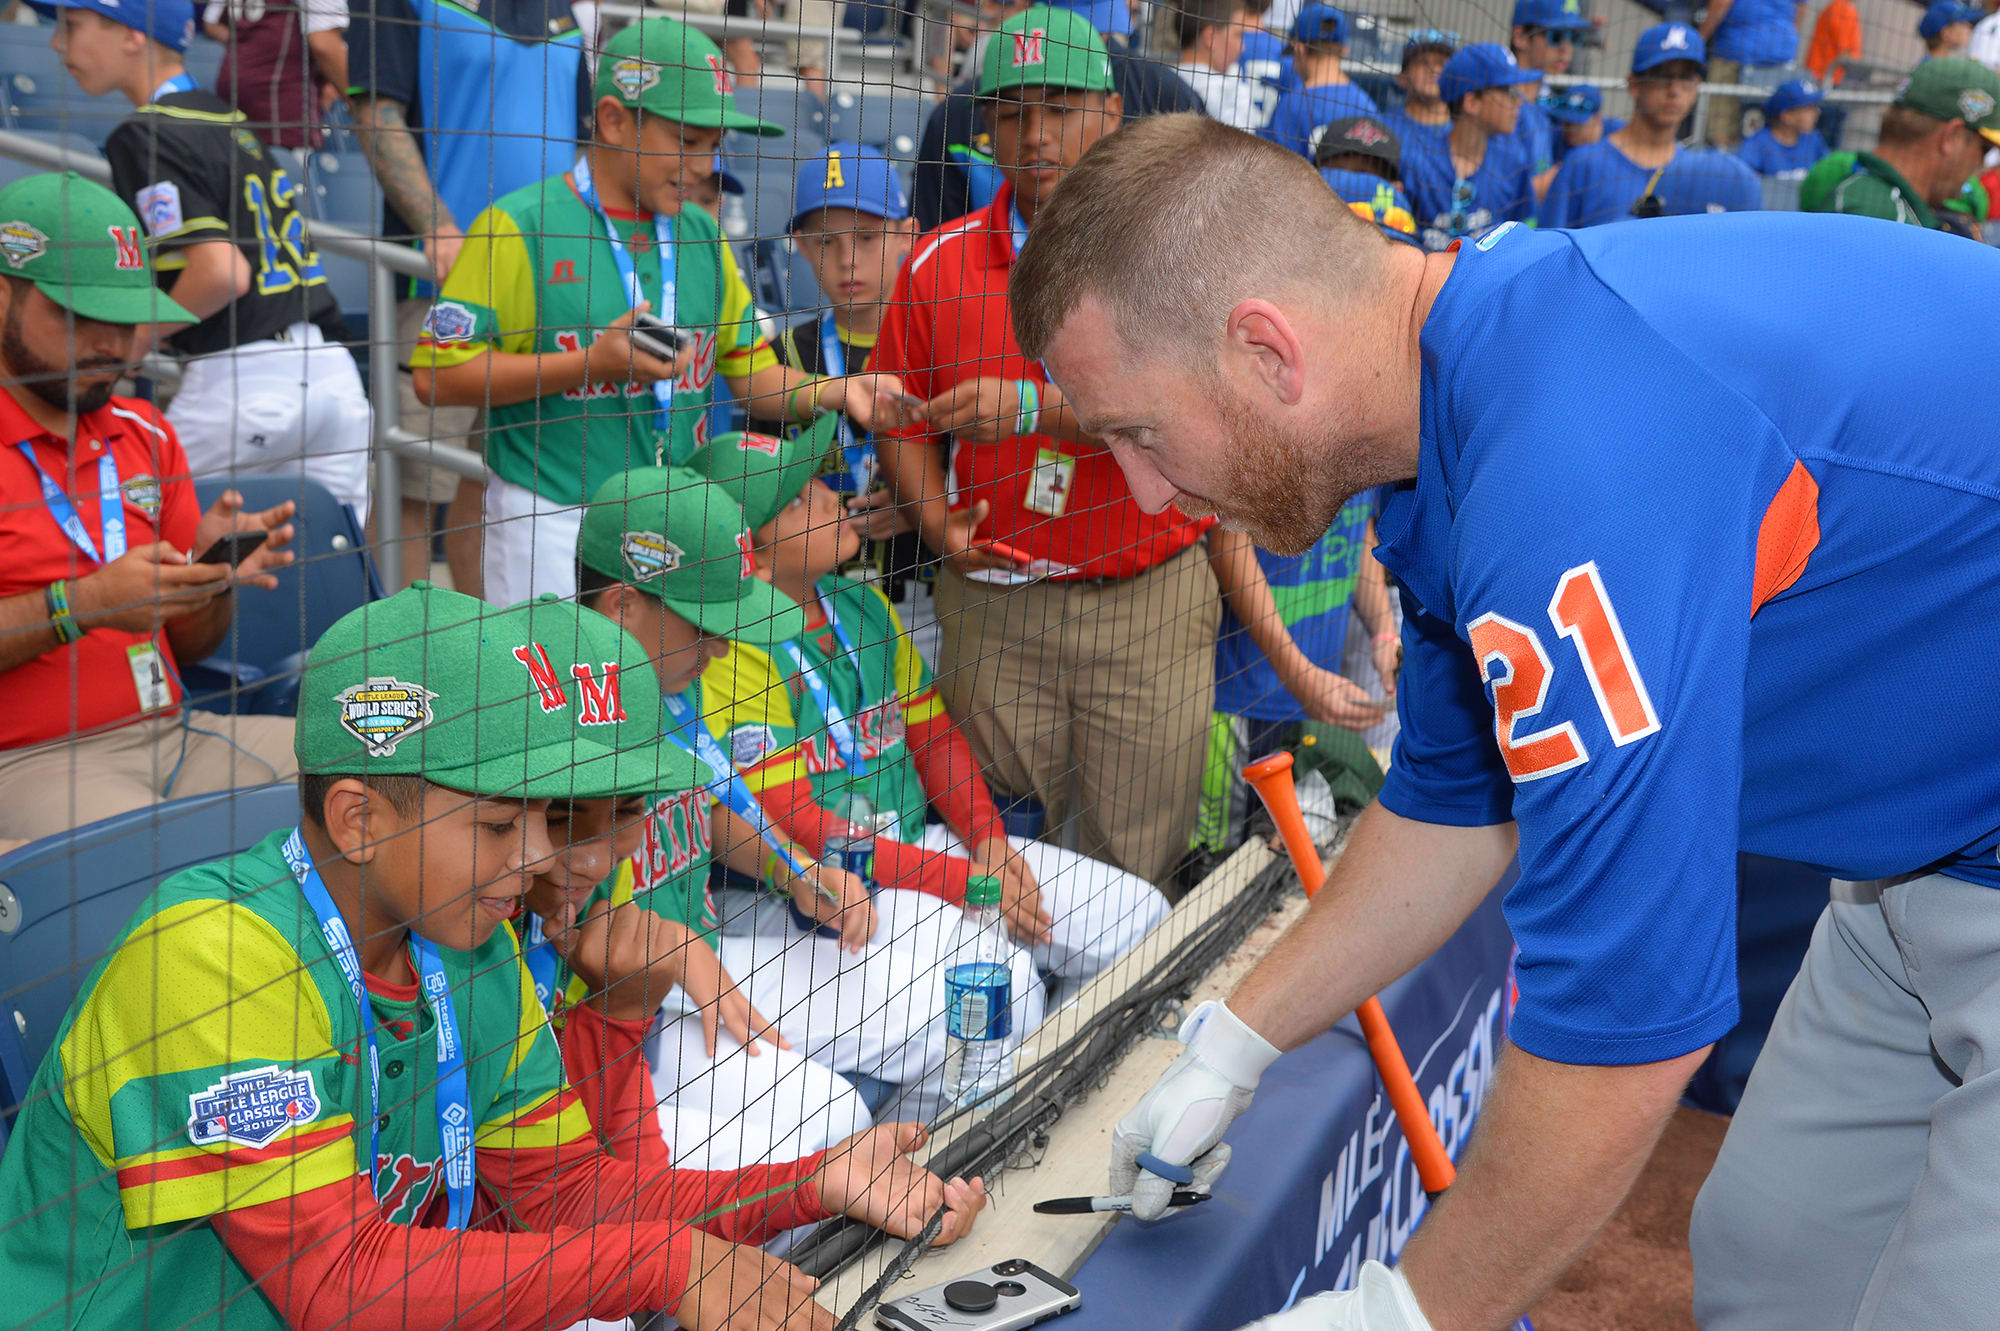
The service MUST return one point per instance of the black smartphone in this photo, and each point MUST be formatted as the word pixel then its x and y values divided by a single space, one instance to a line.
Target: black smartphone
pixel 234 548
pixel 658 338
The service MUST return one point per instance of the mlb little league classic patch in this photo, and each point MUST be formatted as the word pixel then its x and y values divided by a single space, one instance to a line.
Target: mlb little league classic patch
pixel 649 554
pixel 633 77
pixel 22 241
pixel 252 1108
pixel 382 713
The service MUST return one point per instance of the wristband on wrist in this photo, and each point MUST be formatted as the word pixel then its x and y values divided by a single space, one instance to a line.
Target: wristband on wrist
pixel 1388 637
pixel 56 597
pixel 792 404
pixel 813 411
pixel 1030 405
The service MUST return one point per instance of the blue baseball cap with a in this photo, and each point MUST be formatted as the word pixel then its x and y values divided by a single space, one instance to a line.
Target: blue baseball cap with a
pixel 849 175
pixel 1479 67
pixel 1319 23
pixel 1572 106
pixel 1791 94
pixel 1664 43
pixel 1561 15
pixel 168 22
pixel 1942 15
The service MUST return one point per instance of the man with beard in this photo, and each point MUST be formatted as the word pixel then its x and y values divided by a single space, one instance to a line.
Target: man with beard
pixel 1666 521
pixel 1077 633
pixel 102 588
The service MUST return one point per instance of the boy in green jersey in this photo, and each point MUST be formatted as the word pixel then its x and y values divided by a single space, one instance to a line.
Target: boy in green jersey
pixel 302 1079
pixel 535 321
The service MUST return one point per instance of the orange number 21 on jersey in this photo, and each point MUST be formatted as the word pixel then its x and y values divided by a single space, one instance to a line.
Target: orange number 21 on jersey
pixel 1513 661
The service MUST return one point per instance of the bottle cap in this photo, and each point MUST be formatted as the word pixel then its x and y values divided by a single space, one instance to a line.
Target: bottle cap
pixel 982 890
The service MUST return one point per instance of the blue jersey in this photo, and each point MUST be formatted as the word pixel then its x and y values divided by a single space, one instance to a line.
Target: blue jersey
pixel 1534 137
pixel 1416 137
pixel 1696 562
pixel 1559 146
pixel 1303 115
pixel 1449 208
pixel 1265 62
pixel 1314 592
pixel 1597 184
pixel 1762 153
pixel 1757 32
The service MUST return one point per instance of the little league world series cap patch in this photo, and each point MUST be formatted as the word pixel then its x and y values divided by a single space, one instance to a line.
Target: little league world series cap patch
pixel 667 69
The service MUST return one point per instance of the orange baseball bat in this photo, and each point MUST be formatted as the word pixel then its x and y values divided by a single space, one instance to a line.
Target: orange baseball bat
pixel 1271 778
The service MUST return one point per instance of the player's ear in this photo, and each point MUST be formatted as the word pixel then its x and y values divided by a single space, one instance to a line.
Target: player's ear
pixel 614 124
pixel 1114 106
pixel 351 815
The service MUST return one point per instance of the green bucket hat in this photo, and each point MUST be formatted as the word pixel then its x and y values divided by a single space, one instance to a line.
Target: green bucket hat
pixel 759 471
pixel 671 534
pixel 608 675
pixel 82 246
pixel 1956 89
pixel 434 684
pixel 1046 48
pixel 667 69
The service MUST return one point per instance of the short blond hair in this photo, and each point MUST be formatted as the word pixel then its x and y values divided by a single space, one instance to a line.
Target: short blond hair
pixel 1175 219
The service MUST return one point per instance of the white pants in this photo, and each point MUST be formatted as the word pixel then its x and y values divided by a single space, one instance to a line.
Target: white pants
pixel 737 1109
pixel 278 408
pixel 530 544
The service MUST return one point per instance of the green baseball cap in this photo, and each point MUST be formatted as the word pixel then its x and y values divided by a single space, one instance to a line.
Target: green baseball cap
pixel 671 534
pixel 435 684
pixel 667 69
pixel 82 246
pixel 1046 48
pixel 759 471
pixel 617 698
pixel 1956 89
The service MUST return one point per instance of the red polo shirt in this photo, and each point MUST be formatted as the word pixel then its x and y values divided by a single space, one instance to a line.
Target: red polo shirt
pixel 947 322
pixel 88 684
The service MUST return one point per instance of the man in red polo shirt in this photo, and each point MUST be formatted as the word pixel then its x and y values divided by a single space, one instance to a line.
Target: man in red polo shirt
pixel 100 594
pixel 1090 687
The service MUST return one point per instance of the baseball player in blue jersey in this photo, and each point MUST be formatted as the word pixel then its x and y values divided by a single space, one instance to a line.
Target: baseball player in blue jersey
pixel 1479 180
pixel 1599 182
pixel 1423 119
pixel 1693 562
pixel 1325 94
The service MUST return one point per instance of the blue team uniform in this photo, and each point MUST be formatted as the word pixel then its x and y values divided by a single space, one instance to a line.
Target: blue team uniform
pixel 1304 113
pixel 1415 137
pixel 1597 184
pixel 1560 145
pixel 1671 452
pixel 1534 137
pixel 1762 153
pixel 1757 32
pixel 1265 61
pixel 1449 209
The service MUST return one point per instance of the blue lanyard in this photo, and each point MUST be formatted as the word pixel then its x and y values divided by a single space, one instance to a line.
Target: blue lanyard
pixel 853 452
pixel 1020 225
pixel 182 82
pixel 538 954
pixel 453 1101
pixel 110 502
pixel 838 728
pixel 685 730
pixel 663 232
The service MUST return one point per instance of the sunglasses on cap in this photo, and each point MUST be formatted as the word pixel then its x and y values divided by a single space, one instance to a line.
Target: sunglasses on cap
pixel 1554 36
pixel 1431 37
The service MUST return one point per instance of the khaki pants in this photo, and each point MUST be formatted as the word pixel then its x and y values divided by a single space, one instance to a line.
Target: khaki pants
pixel 53 787
pixel 1100 689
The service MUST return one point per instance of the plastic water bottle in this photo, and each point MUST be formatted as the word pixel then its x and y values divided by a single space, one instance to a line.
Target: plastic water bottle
pixel 850 847
pixel 979 1013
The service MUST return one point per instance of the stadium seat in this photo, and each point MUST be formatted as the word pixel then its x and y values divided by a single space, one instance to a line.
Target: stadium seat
pixel 40 94
pixel 256 670
pixel 204 61
pixel 892 122
pixel 341 188
pixel 64 898
pixel 12 170
pixel 791 107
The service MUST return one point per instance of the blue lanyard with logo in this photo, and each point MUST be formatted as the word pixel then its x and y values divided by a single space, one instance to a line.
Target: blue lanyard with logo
pixel 182 82
pixel 453 1101
pixel 663 233
pixel 538 954
pixel 857 455
pixel 684 729
pixel 838 728
pixel 110 502
pixel 1020 225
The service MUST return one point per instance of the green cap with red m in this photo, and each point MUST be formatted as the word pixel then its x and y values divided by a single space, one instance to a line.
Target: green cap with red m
pixel 80 244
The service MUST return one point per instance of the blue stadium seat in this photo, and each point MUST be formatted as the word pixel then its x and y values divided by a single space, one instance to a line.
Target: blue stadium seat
pixel 204 60
pixel 12 170
pixel 256 669
pixel 789 105
pixel 341 188
pixel 63 899
pixel 40 94
pixel 893 123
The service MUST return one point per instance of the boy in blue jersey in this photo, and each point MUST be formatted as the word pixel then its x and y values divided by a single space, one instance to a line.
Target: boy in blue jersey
pixel 1325 93
pixel 1706 180
pixel 1264 60
pixel 1578 116
pixel 1946 28
pixel 1480 180
pixel 1543 38
pixel 1423 119
pixel 1667 520
pixel 1789 144
pixel 1361 161
pixel 1600 182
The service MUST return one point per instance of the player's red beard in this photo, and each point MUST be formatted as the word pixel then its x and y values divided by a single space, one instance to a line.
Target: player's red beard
pixel 1281 491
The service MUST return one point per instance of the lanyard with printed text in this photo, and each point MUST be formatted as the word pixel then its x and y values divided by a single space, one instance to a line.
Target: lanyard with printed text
pixel 182 82
pixel 110 502
pixel 663 233
pixel 453 1102
pixel 857 456
pixel 838 728
pixel 684 729
pixel 538 954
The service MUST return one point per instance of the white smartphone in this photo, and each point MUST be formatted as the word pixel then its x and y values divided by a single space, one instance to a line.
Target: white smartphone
pixel 1006 1296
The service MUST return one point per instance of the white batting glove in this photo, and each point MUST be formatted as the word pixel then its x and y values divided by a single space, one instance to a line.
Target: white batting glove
pixel 1380 1301
pixel 1169 1140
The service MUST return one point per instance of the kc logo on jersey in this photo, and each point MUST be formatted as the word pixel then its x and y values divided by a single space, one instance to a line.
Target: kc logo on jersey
pixel 633 76
pixel 382 712
pixel 252 1108
pixel 449 321
pixel 1028 47
pixel 159 207
pixel 126 239
pixel 22 241
pixel 649 555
